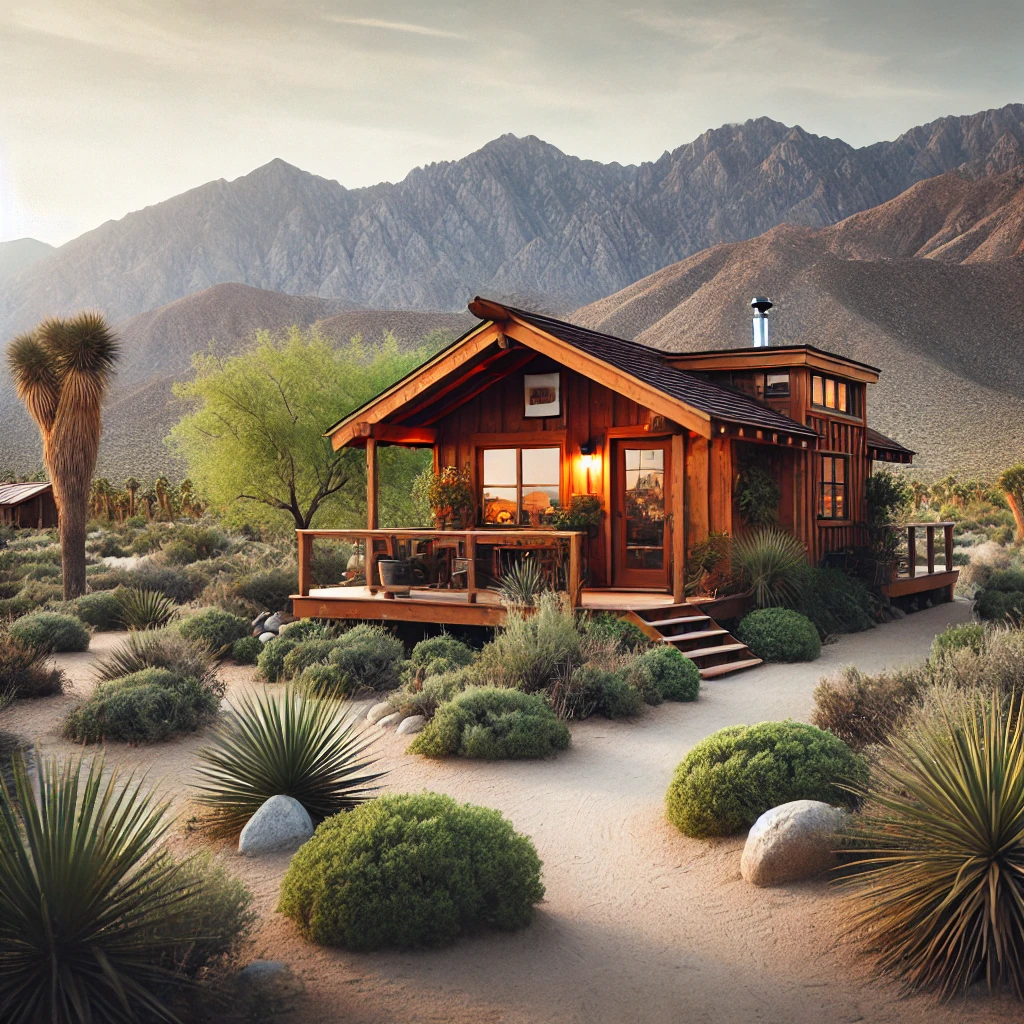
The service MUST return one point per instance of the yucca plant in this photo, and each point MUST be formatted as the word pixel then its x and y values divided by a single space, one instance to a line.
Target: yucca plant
pixel 772 565
pixel 90 905
pixel 522 583
pixel 159 649
pixel 292 744
pixel 937 889
pixel 145 609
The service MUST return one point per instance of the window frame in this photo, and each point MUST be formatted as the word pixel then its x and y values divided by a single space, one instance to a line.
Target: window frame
pixel 836 386
pixel 519 484
pixel 833 487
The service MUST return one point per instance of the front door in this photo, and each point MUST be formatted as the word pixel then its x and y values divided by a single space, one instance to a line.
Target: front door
pixel 640 503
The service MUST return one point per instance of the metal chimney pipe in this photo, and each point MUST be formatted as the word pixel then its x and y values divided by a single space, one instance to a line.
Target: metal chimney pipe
pixel 760 306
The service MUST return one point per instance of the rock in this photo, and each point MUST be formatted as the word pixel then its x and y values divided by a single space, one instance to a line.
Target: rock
pixel 389 720
pixel 414 723
pixel 281 823
pixel 261 970
pixel 791 842
pixel 378 711
pixel 257 623
pixel 267 637
pixel 274 623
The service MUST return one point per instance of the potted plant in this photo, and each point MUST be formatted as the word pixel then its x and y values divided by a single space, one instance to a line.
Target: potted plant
pixel 451 497
pixel 583 513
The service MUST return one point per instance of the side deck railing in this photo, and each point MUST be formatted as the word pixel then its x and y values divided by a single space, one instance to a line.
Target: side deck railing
pixel 914 531
pixel 558 549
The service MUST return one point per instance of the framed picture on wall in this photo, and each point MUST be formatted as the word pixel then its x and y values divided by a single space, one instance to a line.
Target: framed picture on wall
pixel 543 394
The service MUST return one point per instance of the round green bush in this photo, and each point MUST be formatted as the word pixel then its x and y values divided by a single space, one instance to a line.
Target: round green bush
pixel 494 723
pixel 408 871
pixel 215 628
pixel 101 610
pixel 438 654
pixel 780 634
pixel 968 635
pixel 306 653
pixel 1002 597
pixel 326 681
pixel 674 675
pixel 271 659
pixel 625 635
pixel 246 650
pixel 307 629
pixel 144 707
pixel 370 656
pixel 598 691
pixel 731 778
pixel 51 632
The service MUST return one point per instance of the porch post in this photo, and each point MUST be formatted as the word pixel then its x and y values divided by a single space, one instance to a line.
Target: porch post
pixel 371 484
pixel 911 552
pixel 677 495
pixel 305 561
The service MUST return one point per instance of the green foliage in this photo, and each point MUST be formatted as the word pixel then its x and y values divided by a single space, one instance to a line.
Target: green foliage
pixel 450 493
pixel 1001 599
pixel 438 650
pixel 771 564
pixel 673 675
pixel 583 513
pixel 246 650
pixel 13 749
pixel 327 681
pixel 145 707
pixel 863 710
pixel 835 602
pixel 190 544
pixel 85 882
pixel 936 892
pixel 494 723
pixel 970 635
pixel 780 634
pixel 522 583
pixel 306 653
pixel 25 670
pixel 308 629
pixel 270 662
pixel 249 408
pixel 887 496
pixel 594 690
pixel 177 584
pixel 731 778
pixel 270 588
pixel 425 696
pixel 101 610
pixel 409 871
pixel 217 629
pixel 709 565
pixel 51 632
pixel 159 649
pixel 759 497
pixel 370 656
pixel 291 744
pixel 145 609
pixel 625 635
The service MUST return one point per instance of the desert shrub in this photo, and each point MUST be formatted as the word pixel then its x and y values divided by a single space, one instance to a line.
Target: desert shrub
pixel 145 609
pixel 370 656
pixel 101 610
pixel 493 723
pixel 269 588
pixel 592 690
pixel 522 583
pixel 441 654
pixel 51 632
pixel 287 743
pixel 159 649
pixel 330 562
pixel 25 670
pixel 625 635
pixel 41 571
pixel 246 650
pixel 674 675
pixel 997 669
pixel 955 638
pixel 771 564
pixel 835 602
pixel 306 653
pixel 40 592
pixel 103 578
pixel 15 607
pixel 177 584
pixel 217 629
pixel 308 629
pixel 936 891
pixel 1002 597
pixel 733 776
pixel 144 707
pixel 270 662
pixel 531 651
pixel 194 543
pixel 423 696
pixel 323 680
pixel 133 927
pixel 779 634
pixel 863 710
pixel 411 870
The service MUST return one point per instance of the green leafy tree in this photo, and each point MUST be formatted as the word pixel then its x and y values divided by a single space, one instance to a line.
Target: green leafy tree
pixel 255 433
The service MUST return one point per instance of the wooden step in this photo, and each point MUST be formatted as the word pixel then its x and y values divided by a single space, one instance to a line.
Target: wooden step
pixel 729 666
pixel 702 634
pixel 658 623
pixel 707 652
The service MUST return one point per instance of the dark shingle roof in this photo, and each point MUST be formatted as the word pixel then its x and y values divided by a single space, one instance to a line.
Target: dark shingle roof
pixel 886 444
pixel 648 365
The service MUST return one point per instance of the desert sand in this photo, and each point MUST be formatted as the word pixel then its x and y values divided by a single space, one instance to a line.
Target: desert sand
pixel 640 924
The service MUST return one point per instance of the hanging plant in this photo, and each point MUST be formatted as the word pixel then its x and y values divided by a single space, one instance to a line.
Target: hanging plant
pixel 759 497
pixel 583 513
pixel 450 494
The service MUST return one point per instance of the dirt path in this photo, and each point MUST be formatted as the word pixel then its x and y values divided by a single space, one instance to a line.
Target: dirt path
pixel 640 924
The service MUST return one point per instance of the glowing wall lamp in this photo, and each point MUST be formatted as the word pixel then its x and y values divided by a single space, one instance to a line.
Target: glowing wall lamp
pixel 587 460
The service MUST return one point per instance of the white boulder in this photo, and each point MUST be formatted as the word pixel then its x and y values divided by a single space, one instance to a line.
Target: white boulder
pixel 281 823
pixel 379 711
pixel 791 842
pixel 265 638
pixel 389 720
pixel 414 723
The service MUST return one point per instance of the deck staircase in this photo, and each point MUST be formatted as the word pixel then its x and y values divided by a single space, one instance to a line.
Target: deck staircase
pixel 715 651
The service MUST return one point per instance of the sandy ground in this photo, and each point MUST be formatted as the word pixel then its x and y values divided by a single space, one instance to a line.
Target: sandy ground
pixel 640 924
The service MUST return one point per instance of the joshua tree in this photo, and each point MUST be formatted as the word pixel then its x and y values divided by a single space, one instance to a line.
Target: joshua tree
pixel 131 485
pixel 61 371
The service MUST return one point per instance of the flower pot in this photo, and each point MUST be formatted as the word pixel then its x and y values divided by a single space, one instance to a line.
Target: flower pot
pixel 395 575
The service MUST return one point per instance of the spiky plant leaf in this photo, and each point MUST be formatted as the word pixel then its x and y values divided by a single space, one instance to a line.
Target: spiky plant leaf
pixel 772 565
pixel 86 899
pixel 145 609
pixel 34 379
pixel 292 744
pixel 159 649
pixel 522 583
pixel 82 344
pixel 937 894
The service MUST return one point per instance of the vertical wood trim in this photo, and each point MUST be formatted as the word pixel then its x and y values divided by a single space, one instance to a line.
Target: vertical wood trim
pixel 371 484
pixel 948 531
pixel 575 569
pixel 470 568
pixel 931 549
pixel 678 497
pixel 696 503
pixel 305 562
pixel 912 551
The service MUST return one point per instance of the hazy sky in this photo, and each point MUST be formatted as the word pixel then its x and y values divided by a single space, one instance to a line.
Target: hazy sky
pixel 107 106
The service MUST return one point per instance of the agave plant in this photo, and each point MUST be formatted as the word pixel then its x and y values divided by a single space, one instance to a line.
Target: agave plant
pixel 88 900
pixel 522 583
pixel 937 893
pixel 772 565
pixel 291 744
pixel 145 609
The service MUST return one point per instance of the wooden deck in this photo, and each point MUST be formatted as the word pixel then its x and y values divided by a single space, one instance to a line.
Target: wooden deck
pixel 936 574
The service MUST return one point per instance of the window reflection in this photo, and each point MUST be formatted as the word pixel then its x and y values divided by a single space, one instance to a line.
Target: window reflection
pixel 520 484
pixel 645 508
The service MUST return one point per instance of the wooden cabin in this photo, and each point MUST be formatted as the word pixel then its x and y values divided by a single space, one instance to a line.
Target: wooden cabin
pixel 535 410
pixel 28 506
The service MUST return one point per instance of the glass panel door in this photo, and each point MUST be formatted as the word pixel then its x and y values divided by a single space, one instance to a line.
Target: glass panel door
pixel 642 540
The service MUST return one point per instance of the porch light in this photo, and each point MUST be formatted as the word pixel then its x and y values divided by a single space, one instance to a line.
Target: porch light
pixel 587 460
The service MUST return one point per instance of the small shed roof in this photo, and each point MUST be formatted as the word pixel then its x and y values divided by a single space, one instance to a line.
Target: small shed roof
pixel 16 494
pixel 885 449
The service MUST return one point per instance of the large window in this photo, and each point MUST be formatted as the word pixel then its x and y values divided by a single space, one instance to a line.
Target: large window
pixel 832 493
pixel 520 484
pixel 829 393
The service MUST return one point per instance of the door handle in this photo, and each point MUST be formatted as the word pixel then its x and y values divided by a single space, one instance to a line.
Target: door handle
pixel 618 515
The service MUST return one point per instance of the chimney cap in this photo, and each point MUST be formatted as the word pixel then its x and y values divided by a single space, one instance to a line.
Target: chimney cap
pixel 761 304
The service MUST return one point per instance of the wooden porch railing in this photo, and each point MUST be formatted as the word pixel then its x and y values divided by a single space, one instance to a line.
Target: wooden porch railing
pixel 384 544
pixel 929 529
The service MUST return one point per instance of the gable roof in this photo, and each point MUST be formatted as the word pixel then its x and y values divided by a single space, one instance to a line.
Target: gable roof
pixel 15 494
